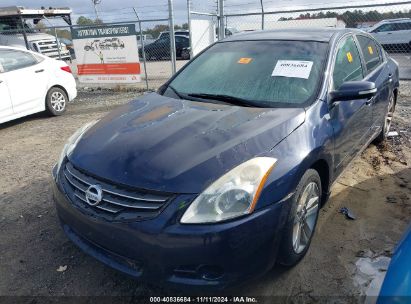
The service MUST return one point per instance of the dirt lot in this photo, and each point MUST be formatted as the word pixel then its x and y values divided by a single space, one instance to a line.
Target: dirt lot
pixel 377 188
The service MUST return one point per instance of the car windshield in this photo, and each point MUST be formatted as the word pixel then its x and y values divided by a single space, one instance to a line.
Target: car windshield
pixel 264 73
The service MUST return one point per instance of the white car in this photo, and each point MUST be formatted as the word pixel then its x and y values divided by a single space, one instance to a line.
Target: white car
pixel 31 83
pixel 392 32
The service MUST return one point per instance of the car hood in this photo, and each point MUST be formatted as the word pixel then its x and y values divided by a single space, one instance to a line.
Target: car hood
pixel 179 146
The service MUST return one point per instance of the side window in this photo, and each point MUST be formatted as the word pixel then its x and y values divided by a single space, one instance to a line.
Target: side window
pixel 13 60
pixel 371 52
pixel 384 28
pixel 348 65
pixel 403 26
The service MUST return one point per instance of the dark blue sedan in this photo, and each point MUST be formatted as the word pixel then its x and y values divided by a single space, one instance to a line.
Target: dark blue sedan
pixel 222 172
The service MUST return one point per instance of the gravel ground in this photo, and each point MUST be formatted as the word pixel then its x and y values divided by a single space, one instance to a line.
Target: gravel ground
pixel 33 246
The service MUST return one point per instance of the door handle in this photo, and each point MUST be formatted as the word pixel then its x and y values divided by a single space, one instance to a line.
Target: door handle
pixel 1 81
pixel 39 71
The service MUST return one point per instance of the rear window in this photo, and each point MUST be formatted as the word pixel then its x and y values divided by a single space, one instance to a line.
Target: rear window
pixel 270 73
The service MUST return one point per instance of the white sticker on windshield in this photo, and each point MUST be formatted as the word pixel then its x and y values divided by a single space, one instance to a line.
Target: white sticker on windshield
pixel 293 68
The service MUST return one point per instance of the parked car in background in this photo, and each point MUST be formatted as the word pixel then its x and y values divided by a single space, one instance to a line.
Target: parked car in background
pixel 396 287
pixel 394 34
pixel 69 45
pixel 222 172
pixel 160 48
pixel 147 39
pixel 31 83
pixel 184 33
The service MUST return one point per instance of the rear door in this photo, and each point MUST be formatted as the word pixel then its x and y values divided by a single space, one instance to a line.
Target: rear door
pixel 377 71
pixel 351 120
pixel 6 108
pixel 26 78
pixel 402 34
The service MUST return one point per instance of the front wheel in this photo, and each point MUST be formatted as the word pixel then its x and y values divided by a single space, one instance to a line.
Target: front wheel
pixel 302 219
pixel 56 101
pixel 185 54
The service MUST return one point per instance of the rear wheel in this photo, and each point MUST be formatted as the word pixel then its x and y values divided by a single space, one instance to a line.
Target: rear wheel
pixel 56 101
pixel 302 219
pixel 185 54
pixel 387 120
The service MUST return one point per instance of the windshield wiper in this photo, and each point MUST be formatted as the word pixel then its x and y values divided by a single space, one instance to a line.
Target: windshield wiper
pixel 226 98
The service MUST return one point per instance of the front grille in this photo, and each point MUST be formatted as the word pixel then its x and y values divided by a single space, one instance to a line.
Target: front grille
pixel 117 202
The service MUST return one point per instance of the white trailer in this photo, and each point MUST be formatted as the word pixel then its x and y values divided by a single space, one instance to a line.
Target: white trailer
pixel 17 31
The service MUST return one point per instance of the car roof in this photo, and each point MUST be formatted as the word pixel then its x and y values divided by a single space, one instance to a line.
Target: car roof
pixel 296 34
pixel 395 20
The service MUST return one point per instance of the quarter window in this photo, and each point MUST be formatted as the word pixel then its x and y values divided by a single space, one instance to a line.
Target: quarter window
pixel 13 60
pixel 371 52
pixel 348 65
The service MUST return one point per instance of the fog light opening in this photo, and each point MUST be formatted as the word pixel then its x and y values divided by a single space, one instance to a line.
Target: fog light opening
pixel 210 273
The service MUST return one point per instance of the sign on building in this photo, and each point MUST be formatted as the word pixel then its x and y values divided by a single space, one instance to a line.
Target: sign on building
pixel 107 54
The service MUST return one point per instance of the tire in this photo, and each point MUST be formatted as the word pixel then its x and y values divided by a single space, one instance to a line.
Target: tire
pixel 185 55
pixel 302 219
pixel 387 121
pixel 56 101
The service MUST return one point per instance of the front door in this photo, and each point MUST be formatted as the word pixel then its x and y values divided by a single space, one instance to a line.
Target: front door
pixel 26 79
pixel 351 119
pixel 6 108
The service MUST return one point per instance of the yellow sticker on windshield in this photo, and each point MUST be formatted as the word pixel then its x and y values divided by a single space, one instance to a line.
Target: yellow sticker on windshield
pixel 349 57
pixel 244 60
pixel 370 50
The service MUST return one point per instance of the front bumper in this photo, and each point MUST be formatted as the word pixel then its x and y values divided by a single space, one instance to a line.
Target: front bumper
pixel 164 252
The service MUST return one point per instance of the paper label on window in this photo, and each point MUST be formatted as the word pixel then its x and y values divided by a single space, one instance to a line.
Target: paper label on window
pixel 293 69
pixel 244 60
pixel 349 57
pixel 370 50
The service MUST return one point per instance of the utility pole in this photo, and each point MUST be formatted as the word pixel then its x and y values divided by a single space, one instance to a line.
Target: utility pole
pixel 221 26
pixel 189 27
pixel 95 3
pixel 172 37
pixel 262 14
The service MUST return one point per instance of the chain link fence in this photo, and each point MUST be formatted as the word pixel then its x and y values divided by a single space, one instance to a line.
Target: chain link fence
pixel 388 21
pixel 55 39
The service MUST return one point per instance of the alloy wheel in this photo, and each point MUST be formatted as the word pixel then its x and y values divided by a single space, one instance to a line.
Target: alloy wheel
pixel 58 101
pixel 389 116
pixel 306 217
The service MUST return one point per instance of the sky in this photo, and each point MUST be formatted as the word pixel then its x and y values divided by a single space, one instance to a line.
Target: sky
pixel 111 10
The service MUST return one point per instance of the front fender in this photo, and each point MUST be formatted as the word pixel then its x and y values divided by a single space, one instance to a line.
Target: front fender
pixel 302 149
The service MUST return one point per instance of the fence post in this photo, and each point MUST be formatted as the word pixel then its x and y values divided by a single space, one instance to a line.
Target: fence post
pixel 24 33
pixel 57 42
pixel 142 47
pixel 262 14
pixel 189 27
pixel 172 37
pixel 221 26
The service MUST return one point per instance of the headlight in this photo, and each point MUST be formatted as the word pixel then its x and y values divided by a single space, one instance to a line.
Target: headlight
pixel 72 142
pixel 232 195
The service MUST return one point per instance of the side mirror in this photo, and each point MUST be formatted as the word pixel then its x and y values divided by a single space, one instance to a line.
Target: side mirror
pixel 352 90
